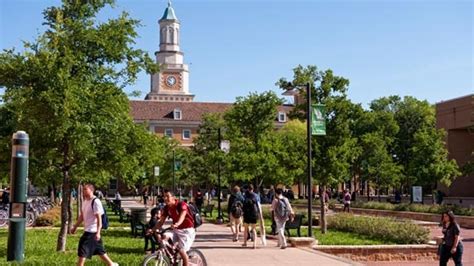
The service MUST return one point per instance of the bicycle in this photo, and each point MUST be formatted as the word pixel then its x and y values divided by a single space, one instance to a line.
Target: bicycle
pixel 167 253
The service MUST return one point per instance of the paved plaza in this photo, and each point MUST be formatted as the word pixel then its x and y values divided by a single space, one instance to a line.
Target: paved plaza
pixel 216 243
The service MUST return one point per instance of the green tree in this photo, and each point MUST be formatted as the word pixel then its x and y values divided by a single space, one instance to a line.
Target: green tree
pixel 66 92
pixel 250 125
pixel 418 146
pixel 334 153
pixel 293 152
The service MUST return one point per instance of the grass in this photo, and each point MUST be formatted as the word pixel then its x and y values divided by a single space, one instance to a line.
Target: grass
pixel 40 247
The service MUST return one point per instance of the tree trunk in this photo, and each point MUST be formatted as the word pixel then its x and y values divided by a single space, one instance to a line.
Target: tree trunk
pixel 69 213
pixel 323 212
pixel 62 237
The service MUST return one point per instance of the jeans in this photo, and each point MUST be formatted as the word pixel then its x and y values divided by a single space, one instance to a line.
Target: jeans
pixel 445 255
pixel 280 228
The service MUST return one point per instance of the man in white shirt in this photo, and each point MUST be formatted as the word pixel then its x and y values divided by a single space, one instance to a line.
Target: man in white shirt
pixel 90 243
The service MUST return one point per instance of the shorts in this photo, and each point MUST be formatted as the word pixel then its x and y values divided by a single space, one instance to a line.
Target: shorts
pixel 184 237
pixel 88 246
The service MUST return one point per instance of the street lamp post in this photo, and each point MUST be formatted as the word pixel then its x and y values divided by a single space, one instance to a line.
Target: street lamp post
pixel 220 219
pixel 308 136
pixel 174 166
pixel 310 178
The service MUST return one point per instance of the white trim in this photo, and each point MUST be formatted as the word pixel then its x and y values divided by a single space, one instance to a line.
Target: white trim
pixel 166 135
pixel 279 117
pixel 183 135
pixel 177 114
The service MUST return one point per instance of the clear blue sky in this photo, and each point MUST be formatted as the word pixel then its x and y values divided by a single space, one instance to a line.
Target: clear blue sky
pixel 418 48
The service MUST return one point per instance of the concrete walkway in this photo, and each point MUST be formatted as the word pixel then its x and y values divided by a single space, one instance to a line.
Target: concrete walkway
pixel 216 243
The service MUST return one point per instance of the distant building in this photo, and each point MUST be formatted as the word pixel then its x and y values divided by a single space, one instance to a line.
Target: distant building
pixel 456 116
pixel 169 107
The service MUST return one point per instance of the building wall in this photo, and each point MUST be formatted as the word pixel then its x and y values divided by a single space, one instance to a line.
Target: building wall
pixel 457 118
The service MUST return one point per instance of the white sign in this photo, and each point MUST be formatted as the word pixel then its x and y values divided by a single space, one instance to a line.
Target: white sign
pixel 225 146
pixel 417 193
pixel 156 170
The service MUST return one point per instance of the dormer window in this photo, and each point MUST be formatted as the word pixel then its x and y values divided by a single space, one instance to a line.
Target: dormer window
pixel 281 117
pixel 177 114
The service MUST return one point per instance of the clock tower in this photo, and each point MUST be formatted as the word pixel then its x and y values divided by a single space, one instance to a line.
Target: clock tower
pixel 171 84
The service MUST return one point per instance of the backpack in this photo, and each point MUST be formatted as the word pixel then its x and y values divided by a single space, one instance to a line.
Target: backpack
pixel 250 209
pixel 193 210
pixel 282 211
pixel 105 219
pixel 236 209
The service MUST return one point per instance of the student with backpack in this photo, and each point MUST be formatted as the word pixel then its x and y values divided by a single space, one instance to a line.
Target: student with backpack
pixel 92 214
pixel 251 210
pixel 235 211
pixel 282 212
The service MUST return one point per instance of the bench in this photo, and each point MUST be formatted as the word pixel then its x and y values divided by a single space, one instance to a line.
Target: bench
pixel 138 228
pixel 295 224
pixel 208 209
pixel 123 216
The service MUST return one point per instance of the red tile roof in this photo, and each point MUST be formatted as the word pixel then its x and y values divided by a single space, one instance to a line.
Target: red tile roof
pixel 190 111
pixel 163 111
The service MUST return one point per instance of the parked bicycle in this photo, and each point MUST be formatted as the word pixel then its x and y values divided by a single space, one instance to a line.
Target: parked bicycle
pixel 167 253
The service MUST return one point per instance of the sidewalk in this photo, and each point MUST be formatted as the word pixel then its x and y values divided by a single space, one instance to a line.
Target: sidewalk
pixel 216 244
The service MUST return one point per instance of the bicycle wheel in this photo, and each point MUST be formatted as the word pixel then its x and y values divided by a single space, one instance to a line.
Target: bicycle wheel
pixel 196 258
pixel 3 218
pixel 156 259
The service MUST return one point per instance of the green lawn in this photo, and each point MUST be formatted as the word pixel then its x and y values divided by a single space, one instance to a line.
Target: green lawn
pixel 40 247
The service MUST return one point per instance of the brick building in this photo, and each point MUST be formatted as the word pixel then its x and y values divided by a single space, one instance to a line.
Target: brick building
pixel 456 116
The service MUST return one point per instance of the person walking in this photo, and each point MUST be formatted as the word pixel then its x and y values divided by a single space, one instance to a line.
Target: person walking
pixel 347 201
pixel 199 200
pixel 251 214
pixel 452 246
pixel 282 212
pixel 91 241
pixel 145 196
pixel 235 212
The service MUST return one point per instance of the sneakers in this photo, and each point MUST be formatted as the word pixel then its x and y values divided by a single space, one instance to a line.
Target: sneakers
pixel 282 247
pixel 115 264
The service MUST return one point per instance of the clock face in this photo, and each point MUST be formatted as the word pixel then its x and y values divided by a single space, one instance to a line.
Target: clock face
pixel 170 81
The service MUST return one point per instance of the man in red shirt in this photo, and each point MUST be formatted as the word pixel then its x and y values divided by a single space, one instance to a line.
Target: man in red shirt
pixel 183 224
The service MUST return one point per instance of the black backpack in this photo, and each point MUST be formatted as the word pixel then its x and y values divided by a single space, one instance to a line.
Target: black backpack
pixel 250 209
pixel 193 210
pixel 105 219
pixel 237 209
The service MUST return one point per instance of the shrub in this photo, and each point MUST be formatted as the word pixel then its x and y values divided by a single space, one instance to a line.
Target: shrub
pixel 49 218
pixel 386 229
pixel 413 207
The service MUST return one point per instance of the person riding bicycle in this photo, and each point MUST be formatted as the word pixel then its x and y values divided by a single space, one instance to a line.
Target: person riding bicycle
pixel 183 233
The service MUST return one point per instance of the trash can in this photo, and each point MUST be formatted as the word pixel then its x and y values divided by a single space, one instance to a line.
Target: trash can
pixel 138 215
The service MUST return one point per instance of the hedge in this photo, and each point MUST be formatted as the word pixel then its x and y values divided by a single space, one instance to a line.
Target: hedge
pixel 438 209
pixel 386 229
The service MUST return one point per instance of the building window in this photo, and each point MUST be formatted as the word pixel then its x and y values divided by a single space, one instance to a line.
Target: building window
pixel 169 132
pixel 177 114
pixel 186 134
pixel 151 129
pixel 281 117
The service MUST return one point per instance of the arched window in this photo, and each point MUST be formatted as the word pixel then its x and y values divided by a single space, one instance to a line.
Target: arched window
pixel 170 35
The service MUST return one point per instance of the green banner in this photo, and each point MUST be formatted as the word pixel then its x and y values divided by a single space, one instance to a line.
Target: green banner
pixel 318 120
pixel 177 165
